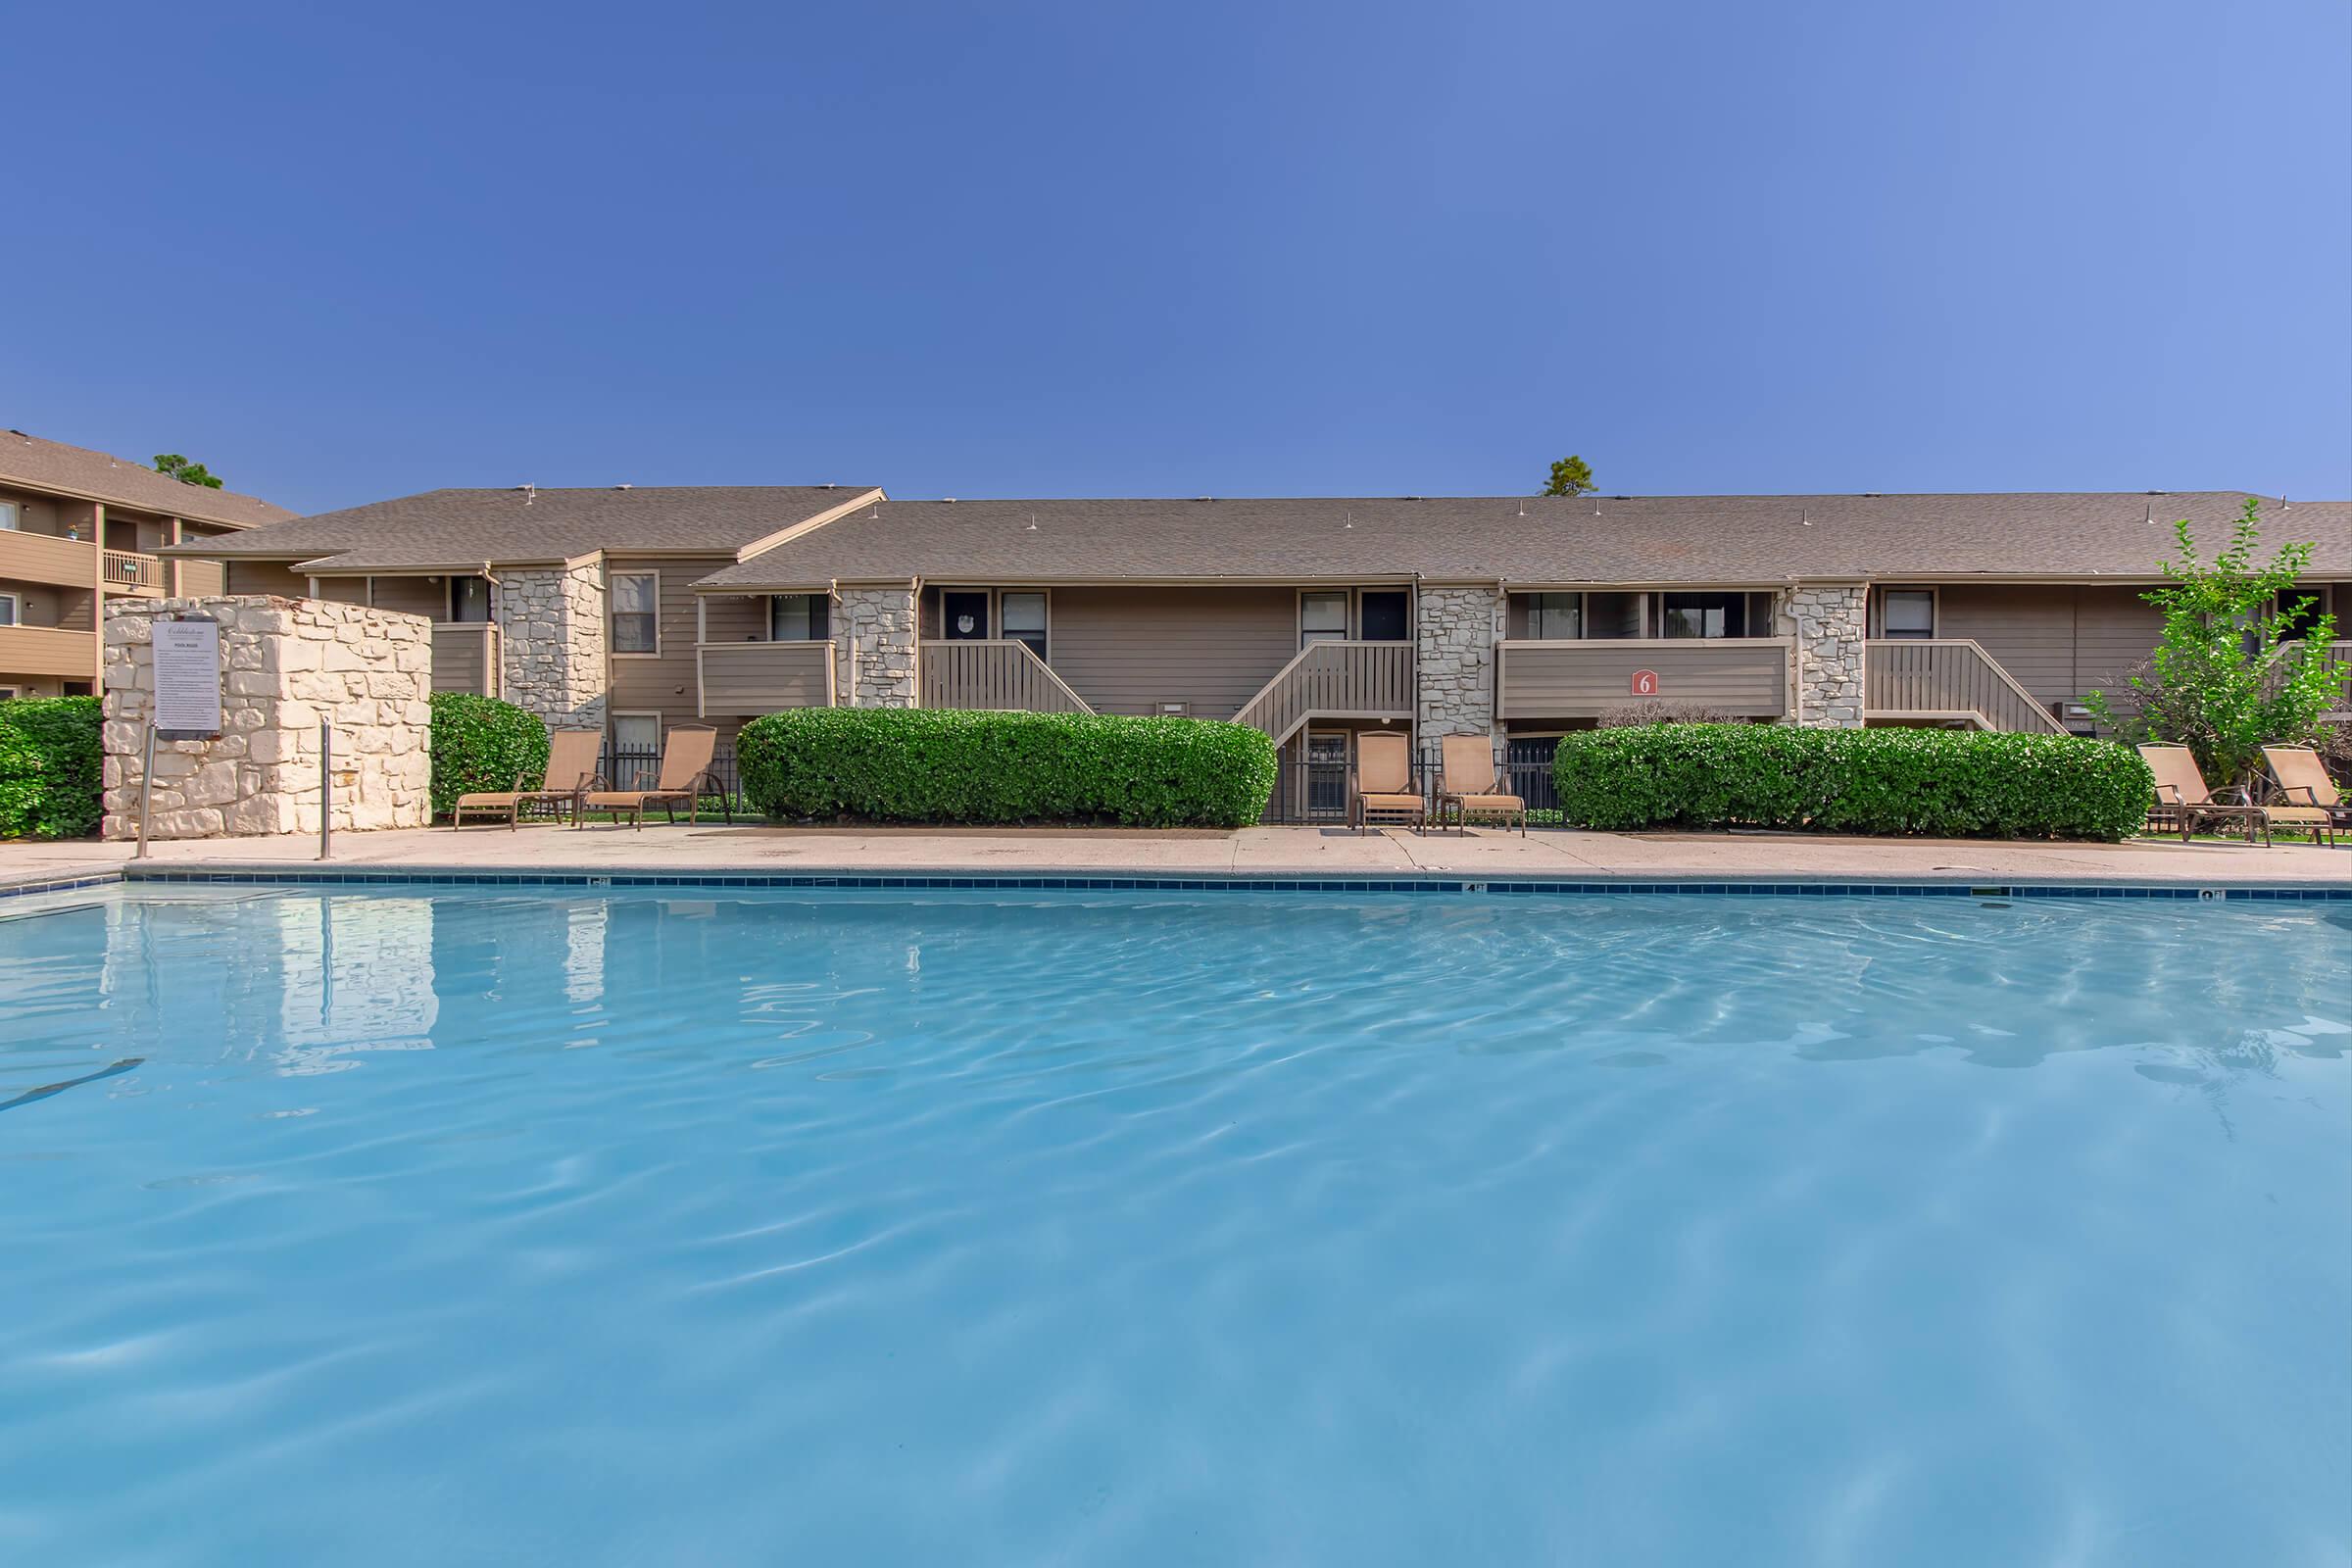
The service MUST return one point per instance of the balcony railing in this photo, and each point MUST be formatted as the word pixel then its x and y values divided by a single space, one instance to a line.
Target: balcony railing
pixel 999 673
pixel 128 571
pixel 1333 680
pixel 1745 677
pixel 1948 680
pixel 48 651
pixel 742 680
pixel 45 557
pixel 466 657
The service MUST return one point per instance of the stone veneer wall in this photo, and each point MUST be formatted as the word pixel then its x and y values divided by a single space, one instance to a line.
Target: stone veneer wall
pixel 286 664
pixel 1456 630
pixel 874 642
pixel 552 643
pixel 1831 624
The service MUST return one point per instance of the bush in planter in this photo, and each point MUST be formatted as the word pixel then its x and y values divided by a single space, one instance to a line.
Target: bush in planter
pixel 51 774
pixel 926 765
pixel 1939 783
pixel 480 744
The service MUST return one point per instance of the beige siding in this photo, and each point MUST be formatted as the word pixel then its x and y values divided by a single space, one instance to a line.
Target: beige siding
pixel 1128 650
pixel 459 655
pixel 2058 642
pixel 267 577
pixel 414 596
pixel 200 579
pixel 663 683
pixel 343 590
pixel 743 681
pixel 1560 681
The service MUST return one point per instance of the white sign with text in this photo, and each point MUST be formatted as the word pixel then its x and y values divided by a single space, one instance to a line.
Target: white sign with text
pixel 187 679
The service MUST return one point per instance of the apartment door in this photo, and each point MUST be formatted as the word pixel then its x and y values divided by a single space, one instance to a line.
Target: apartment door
pixel 1326 774
pixel 963 617
pixel 1384 614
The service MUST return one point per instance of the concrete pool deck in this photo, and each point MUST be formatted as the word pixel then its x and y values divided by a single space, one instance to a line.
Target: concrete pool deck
pixel 1258 852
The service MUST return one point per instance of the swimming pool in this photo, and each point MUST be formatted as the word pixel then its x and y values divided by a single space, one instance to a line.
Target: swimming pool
pixel 521 1226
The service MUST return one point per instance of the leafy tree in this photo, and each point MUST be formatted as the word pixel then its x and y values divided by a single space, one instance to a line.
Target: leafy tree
pixel 1570 476
pixel 2227 678
pixel 186 473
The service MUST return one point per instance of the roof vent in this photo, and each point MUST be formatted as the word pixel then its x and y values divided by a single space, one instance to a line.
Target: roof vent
pixel 950 500
pixel 530 492
pixel 624 487
pixel 1621 498
pixel 1205 498
pixel 1870 495
pixel 1408 498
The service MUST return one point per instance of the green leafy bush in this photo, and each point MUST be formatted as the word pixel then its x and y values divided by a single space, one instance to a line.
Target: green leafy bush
pixel 1940 783
pixel 50 768
pixel 925 764
pixel 481 744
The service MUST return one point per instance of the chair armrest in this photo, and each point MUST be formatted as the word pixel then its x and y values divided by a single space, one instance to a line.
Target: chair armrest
pixel 2244 796
pixel 2311 796
pixel 2167 794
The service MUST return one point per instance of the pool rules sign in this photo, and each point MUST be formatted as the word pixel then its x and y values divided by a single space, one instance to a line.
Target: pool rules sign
pixel 187 679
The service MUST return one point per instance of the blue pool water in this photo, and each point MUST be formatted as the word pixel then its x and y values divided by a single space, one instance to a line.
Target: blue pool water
pixel 522 1226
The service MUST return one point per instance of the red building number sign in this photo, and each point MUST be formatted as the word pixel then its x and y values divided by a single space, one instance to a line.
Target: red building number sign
pixel 1645 684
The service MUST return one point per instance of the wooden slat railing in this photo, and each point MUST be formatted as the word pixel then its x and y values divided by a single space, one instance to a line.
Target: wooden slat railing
pixel 1333 680
pixel 128 570
pixel 1949 679
pixel 996 674
pixel 466 657
pixel 744 681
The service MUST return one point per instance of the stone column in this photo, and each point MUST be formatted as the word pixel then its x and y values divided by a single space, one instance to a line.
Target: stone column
pixel 552 643
pixel 1830 622
pixel 873 630
pixel 1454 633
pixel 286 664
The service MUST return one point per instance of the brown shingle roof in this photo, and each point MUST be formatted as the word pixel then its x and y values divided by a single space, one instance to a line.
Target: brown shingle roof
pixel 1644 539
pixel 40 465
pixel 447 529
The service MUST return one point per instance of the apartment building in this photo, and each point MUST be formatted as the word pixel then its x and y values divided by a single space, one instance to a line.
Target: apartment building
pixel 79 527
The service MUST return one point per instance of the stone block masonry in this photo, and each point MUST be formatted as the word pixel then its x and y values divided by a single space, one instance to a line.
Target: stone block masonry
pixel 875 665
pixel 1456 630
pixel 552 644
pixel 285 665
pixel 1831 625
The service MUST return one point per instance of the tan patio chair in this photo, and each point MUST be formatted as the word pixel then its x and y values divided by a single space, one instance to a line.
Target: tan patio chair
pixel 570 773
pixel 1467 784
pixel 686 753
pixel 2182 801
pixel 1384 782
pixel 2308 797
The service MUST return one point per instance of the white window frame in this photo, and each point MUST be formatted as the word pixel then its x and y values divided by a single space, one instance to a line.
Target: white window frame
pixel 613 738
pixel 612 612
pixel 12 517
pixel 1346 631
pixel 1003 633
pixel 15 608
pixel 1935 613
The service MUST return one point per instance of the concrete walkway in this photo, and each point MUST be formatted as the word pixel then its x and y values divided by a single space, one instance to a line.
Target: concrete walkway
pixel 1272 852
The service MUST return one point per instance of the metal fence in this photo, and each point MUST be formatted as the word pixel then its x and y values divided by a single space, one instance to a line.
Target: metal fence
pixel 1311 789
pixel 639 767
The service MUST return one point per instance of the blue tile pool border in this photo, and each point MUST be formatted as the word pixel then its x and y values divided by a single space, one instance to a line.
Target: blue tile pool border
pixel 1502 887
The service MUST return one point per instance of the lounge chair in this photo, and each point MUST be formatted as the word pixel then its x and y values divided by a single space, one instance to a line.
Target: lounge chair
pixel 685 768
pixel 2308 797
pixel 1468 786
pixel 1383 785
pixel 571 773
pixel 2182 802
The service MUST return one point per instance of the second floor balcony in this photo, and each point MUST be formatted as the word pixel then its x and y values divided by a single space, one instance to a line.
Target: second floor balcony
pixel 1743 677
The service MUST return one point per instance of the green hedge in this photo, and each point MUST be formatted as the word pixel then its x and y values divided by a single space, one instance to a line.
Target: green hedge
pixel 480 744
pixel 50 772
pixel 901 765
pixel 1940 783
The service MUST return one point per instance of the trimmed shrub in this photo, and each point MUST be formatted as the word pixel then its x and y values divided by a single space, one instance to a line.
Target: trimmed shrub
pixel 1939 783
pixel 928 764
pixel 481 744
pixel 50 767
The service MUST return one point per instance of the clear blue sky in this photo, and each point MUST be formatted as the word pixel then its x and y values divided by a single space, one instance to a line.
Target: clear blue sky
pixel 341 253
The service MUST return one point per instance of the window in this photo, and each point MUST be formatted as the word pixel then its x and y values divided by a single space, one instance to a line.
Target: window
pixel 8 611
pixel 636 617
pixel 1555 617
pixel 1023 619
pixel 470 599
pixel 2298 607
pixel 799 617
pixel 1703 615
pixel 1322 618
pixel 1383 612
pixel 1907 613
pixel 636 751
pixel 966 614
pixel 10 515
